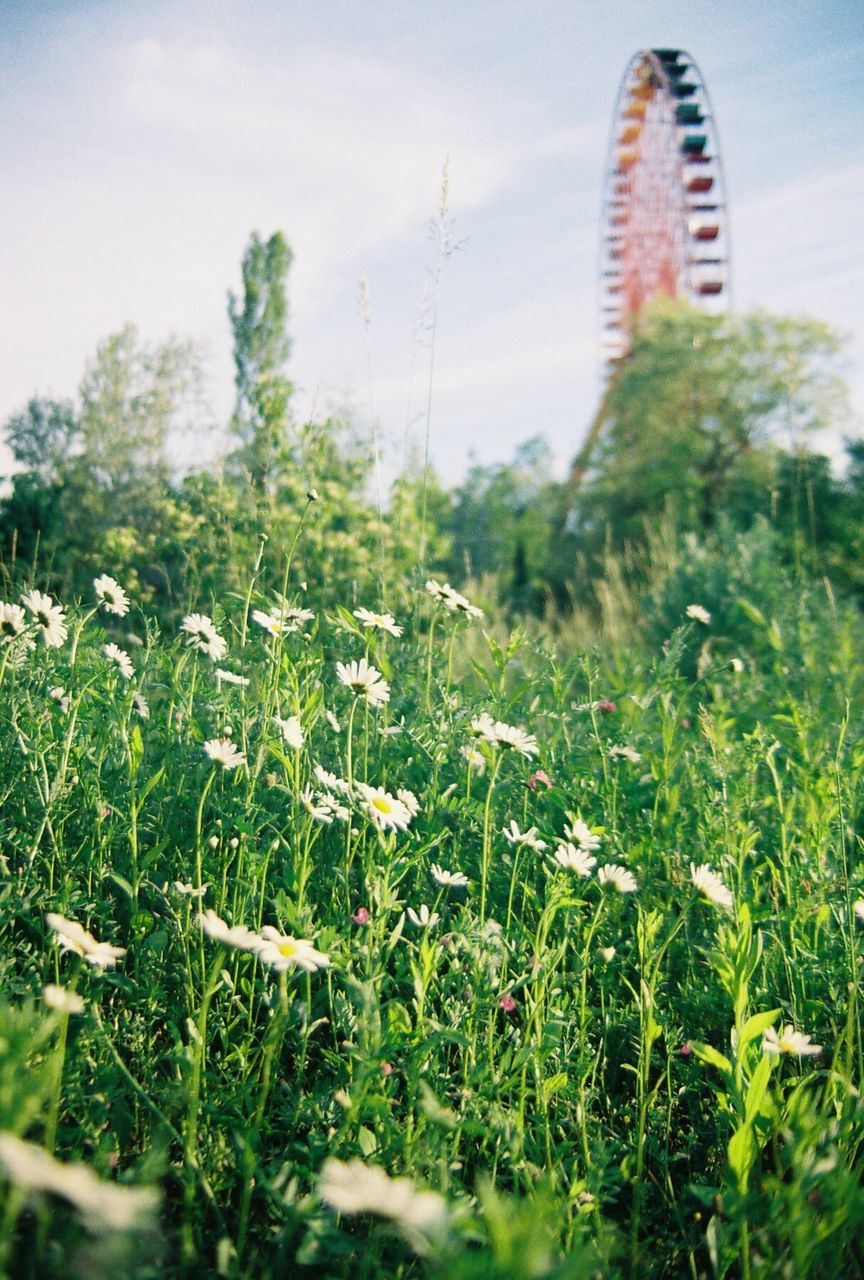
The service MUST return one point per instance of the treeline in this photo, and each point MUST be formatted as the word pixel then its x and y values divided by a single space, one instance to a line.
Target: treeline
pixel 706 431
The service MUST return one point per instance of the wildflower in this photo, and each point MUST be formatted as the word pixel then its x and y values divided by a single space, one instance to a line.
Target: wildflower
pixel 625 753
pixel 61 1000
pixel 507 1003
pixel 59 695
pixel 789 1041
pixel 354 1187
pixel 424 919
pixel 378 621
pixel 333 722
pixel 318 807
pixel 499 734
pixel 187 890
pixel 230 677
pixel 13 621
pixel 291 731
pixel 386 1069
pixel 711 885
pixel 537 777
pixel 50 618
pixel 361 916
pixel 386 811
pixel 737 665
pixel 618 877
pixel 607 706
pixel 457 603
pixel 111 595
pixel 698 614
pixel 582 835
pixel 237 936
pixel 474 760
pixel 222 751
pixel 121 658
pixel 513 835
pixel 858 908
pixel 436 590
pixel 280 951
pixel 274 622
pixel 451 879
pixel 410 801
pixel 72 936
pixel 203 636
pixel 141 705
pixel 389 730
pixel 329 780
pixel 103 1206
pixel 135 641
pixel 607 954
pixel 364 681
pixel 686 1049
pixel 575 859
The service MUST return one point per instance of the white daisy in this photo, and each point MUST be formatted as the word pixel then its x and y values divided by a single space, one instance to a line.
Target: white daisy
pixel 329 780
pixel 280 951
pixel 364 681
pixel 424 919
pixel 111 595
pixel 141 705
pixel 237 936
pixel 711 885
pixel 452 878
pixel 474 759
pixel 59 695
pixel 625 753
pixel 617 877
pixel 72 936
pixel 187 890
pixel 578 860
pixel 410 801
pixel 203 636
pixel 483 726
pixel 513 835
pixel 355 1187
pixel 333 722
pixel 13 622
pixel 104 1207
pixel 581 834
pixel 789 1041
pixel 291 731
pixel 61 1000
pixel 229 677
pixel 275 623
pixel 49 617
pixel 222 751
pixel 436 590
pixel 698 614
pixel 386 811
pixel 517 739
pixel 121 658
pixel 323 807
pixel 378 621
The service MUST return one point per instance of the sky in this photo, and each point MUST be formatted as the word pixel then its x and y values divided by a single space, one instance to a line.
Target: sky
pixel 143 142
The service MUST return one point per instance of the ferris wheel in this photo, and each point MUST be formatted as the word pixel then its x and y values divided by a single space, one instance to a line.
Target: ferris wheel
pixel 665 228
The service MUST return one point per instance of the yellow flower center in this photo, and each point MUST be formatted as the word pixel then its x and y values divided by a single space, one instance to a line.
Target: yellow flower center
pixel 288 948
pixel 382 805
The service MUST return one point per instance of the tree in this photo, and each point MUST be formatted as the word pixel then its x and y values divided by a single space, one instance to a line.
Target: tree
pixel 261 350
pixel 42 437
pixel 689 409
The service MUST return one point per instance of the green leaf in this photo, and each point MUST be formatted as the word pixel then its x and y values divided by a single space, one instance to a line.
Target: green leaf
pixel 757 1088
pixel 705 1053
pixel 368 1142
pixel 742 1151
pixel 136 750
pixel 754 1027
pixel 555 1084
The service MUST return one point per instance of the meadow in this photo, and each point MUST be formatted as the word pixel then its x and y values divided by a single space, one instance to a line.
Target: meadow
pixel 389 938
